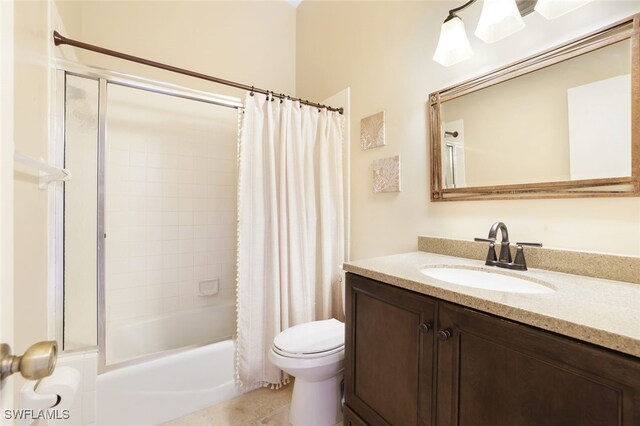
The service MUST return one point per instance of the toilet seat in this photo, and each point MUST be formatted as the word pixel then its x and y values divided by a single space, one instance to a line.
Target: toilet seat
pixel 309 355
pixel 310 340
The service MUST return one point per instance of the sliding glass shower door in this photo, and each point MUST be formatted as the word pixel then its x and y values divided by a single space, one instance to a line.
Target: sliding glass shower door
pixel 148 223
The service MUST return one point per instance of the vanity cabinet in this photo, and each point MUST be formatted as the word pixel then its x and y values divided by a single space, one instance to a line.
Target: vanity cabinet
pixel 415 360
pixel 389 354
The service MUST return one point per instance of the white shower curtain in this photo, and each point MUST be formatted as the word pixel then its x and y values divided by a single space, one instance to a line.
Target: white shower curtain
pixel 290 226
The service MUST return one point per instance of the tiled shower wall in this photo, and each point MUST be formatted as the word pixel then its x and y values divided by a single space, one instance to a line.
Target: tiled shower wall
pixel 170 203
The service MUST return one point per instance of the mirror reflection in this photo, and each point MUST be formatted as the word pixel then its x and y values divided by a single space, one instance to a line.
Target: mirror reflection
pixel 568 121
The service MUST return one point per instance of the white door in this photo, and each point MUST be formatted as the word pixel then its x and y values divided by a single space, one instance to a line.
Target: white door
pixel 6 194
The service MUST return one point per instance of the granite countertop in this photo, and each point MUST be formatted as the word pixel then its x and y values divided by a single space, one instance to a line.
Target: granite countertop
pixel 598 311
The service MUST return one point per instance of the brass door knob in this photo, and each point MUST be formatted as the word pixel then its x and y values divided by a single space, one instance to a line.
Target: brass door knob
pixel 37 362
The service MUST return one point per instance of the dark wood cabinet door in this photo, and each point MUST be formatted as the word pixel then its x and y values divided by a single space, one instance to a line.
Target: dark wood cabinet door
pixel 351 418
pixel 493 372
pixel 389 350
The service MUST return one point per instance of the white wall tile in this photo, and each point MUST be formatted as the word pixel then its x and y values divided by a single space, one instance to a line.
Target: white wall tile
pixel 170 218
pixel 186 274
pixel 170 304
pixel 185 259
pixel 171 290
pixel 170 189
pixel 154 175
pixel 171 203
pixel 137 174
pixel 138 159
pixel 186 246
pixel 170 246
pixel 155 262
pixel 170 233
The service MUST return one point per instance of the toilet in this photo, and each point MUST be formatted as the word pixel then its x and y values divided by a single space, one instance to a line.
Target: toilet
pixel 313 353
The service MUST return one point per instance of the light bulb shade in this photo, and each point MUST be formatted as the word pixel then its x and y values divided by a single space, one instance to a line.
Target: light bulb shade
pixel 552 9
pixel 453 45
pixel 499 19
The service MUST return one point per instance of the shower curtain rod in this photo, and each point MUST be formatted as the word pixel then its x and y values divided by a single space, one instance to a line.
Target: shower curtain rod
pixel 59 39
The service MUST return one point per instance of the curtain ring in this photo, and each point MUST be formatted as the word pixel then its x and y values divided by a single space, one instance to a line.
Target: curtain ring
pixel 272 98
pixel 251 92
pixel 281 97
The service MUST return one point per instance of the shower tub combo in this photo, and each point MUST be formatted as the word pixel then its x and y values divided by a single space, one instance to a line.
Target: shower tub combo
pixel 160 243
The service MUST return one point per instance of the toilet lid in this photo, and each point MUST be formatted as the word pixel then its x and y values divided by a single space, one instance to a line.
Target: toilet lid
pixel 311 337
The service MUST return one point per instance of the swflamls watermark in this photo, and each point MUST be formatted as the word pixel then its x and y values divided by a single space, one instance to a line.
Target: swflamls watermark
pixel 50 414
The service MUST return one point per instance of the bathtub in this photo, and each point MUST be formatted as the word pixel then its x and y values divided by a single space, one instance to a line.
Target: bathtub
pixel 155 391
pixel 127 339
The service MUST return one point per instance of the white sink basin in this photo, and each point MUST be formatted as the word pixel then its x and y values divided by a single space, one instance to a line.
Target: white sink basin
pixel 486 279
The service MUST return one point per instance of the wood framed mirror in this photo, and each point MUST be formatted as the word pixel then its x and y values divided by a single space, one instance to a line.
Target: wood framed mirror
pixel 563 123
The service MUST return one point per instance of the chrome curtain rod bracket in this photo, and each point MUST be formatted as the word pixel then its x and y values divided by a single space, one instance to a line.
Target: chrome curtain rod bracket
pixel 59 39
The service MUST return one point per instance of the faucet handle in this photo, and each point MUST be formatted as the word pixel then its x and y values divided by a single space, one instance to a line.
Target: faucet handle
pixel 530 244
pixel 491 254
pixel 485 240
pixel 520 263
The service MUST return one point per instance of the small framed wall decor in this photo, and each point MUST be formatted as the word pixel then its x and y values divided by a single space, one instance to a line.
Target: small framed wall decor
pixel 372 131
pixel 386 174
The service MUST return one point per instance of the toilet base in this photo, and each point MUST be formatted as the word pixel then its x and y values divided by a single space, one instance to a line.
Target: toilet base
pixel 316 403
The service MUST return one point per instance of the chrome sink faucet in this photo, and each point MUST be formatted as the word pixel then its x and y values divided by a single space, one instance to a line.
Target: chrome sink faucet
pixel 504 261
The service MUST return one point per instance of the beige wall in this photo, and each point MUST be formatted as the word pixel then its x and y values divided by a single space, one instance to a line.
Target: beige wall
pixel 70 13
pixel 31 125
pixel 383 51
pixel 6 191
pixel 31 132
pixel 247 42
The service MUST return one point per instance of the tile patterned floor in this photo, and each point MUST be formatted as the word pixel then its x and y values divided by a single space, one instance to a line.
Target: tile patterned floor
pixel 261 407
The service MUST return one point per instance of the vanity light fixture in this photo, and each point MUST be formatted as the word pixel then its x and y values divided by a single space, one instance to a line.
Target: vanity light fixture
pixel 499 19
pixel 552 9
pixel 453 45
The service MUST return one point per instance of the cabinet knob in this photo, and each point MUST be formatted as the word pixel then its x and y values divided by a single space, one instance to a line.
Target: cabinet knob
pixel 444 335
pixel 425 327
